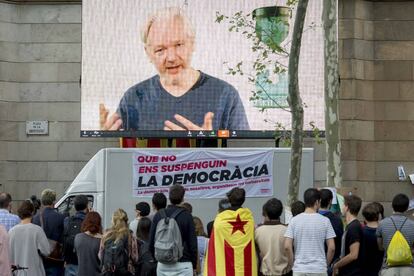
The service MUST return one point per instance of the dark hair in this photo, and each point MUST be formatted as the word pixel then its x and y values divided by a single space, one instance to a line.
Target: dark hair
pixel 143 208
pixel 80 202
pixel 236 197
pixel 353 203
pixel 176 194
pixel 188 207
pixel 297 208
pixel 25 210
pixel 400 203
pixel 311 196
pixel 143 228
pixel 159 200
pixel 273 208
pixel 5 200
pixel 380 209
pixel 223 205
pixel 36 202
pixel 370 212
pixel 326 197
pixel 92 223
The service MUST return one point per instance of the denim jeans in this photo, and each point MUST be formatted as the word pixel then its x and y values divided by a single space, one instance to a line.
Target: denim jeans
pixel 71 270
pixel 177 269
pixel 397 271
pixel 54 271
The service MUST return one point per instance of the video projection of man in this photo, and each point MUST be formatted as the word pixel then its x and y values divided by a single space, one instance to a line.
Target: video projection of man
pixel 154 65
pixel 179 97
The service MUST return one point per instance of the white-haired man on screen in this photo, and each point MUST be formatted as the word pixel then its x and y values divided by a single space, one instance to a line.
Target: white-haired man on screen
pixel 179 97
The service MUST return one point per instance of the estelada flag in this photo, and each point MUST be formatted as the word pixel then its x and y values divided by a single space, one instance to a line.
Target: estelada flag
pixel 231 248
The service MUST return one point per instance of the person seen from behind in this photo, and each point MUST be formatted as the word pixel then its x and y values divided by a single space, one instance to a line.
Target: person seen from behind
pixel 4 252
pixel 270 241
pixel 142 209
pixel 87 244
pixel 202 244
pixel 336 221
pixel 233 232
pixel 118 250
pixel 159 201
pixel 188 207
pixel 28 243
pixel 380 208
pixel 187 259
pixel 147 266
pixel 371 256
pixel 307 233
pixel 387 231
pixel 297 207
pixel 72 227
pixel 349 263
pixel 52 223
pixel 223 205
pixel 7 219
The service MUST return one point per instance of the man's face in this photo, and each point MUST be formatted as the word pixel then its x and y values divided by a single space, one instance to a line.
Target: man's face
pixel 169 49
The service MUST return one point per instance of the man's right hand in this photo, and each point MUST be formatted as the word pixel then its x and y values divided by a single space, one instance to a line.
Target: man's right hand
pixel 114 122
pixel 188 125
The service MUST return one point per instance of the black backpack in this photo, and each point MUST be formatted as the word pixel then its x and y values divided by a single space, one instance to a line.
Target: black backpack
pixel 73 228
pixel 147 265
pixel 115 257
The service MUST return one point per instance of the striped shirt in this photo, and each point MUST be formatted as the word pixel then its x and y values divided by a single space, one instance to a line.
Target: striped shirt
pixel 8 220
pixel 386 230
pixel 309 233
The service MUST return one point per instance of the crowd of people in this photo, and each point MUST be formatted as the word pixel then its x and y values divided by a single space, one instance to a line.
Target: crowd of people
pixel 171 241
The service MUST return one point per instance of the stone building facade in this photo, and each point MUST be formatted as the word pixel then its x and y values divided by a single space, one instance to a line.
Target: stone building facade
pixel 40 55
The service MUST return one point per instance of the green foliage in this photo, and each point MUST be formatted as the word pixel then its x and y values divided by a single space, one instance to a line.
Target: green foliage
pixel 316 133
pixel 267 65
pixel 292 2
pixel 267 58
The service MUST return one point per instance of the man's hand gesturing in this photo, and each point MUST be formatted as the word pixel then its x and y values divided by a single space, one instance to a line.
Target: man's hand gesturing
pixel 188 125
pixel 114 122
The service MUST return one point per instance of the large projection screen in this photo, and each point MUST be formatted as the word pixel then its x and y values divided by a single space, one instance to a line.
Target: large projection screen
pixel 114 60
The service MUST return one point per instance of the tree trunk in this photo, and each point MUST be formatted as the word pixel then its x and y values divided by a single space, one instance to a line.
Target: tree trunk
pixel 295 103
pixel 333 143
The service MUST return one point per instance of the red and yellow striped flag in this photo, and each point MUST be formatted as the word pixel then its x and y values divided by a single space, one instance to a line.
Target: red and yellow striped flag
pixel 231 248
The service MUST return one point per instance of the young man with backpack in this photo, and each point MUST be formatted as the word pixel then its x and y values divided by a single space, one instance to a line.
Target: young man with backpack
pixel 72 227
pixel 173 241
pixel 396 234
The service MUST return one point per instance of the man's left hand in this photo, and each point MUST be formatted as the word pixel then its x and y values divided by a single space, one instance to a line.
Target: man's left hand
pixel 188 125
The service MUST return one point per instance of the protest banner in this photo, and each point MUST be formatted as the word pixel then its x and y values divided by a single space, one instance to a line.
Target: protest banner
pixel 204 174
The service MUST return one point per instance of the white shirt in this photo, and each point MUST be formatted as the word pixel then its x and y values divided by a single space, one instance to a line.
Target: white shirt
pixel 133 225
pixel 309 233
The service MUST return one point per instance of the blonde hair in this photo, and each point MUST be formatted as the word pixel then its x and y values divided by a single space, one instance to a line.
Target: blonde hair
pixel 165 14
pixel 48 197
pixel 199 228
pixel 119 228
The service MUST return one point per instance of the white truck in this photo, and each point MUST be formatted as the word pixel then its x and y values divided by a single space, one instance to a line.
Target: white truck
pixel 107 181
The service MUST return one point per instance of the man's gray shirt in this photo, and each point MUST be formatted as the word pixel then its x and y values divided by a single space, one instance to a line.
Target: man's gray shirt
pixel 147 105
pixel 386 231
